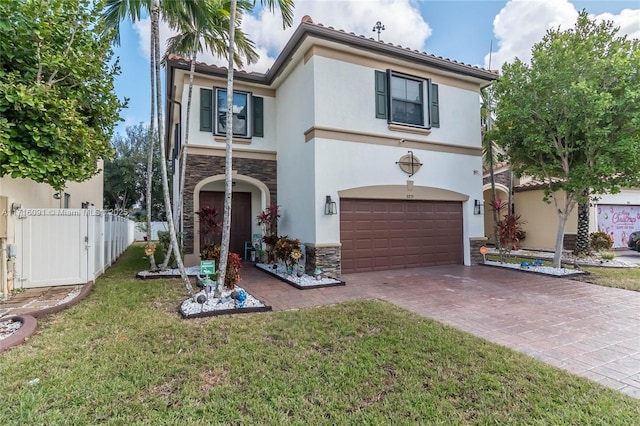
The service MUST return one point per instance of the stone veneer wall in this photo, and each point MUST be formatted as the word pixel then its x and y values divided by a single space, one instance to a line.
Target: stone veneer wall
pixel 200 167
pixel 327 258
pixel 475 244
pixel 503 178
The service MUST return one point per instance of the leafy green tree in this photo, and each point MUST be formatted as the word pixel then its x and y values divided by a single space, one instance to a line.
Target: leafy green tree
pixel 57 102
pixel 125 175
pixel 571 118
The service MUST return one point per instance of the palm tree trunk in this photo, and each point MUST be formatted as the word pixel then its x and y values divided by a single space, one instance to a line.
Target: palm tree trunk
pixel 582 237
pixel 226 222
pixel 185 146
pixel 155 15
pixel 152 260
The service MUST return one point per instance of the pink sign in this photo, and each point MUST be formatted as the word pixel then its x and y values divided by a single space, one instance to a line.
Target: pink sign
pixel 619 222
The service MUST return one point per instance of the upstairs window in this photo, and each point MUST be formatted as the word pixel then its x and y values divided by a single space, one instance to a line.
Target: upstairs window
pixel 241 118
pixel 406 100
pixel 248 114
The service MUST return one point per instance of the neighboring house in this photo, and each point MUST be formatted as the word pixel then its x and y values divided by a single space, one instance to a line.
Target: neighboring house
pixel 36 200
pixel 616 214
pixel 389 134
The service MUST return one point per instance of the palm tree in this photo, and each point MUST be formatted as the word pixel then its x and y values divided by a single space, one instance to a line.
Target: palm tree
pixel 286 9
pixel 489 153
pixel 198 36
pixel 116 11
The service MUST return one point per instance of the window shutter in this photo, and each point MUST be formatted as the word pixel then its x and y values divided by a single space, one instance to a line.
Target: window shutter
pixel 435 108
pixel 381 94
pixel 258 116
pixel 206 113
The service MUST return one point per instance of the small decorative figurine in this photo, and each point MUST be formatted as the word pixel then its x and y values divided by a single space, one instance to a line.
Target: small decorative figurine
pixel 242 296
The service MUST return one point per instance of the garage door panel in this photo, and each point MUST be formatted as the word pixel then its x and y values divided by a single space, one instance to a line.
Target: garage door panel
pixel 390 234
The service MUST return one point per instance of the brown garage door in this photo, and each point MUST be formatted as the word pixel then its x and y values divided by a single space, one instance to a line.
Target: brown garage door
pixel 394 234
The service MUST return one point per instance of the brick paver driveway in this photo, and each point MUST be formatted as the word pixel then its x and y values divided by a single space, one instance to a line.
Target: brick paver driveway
pixel 589 330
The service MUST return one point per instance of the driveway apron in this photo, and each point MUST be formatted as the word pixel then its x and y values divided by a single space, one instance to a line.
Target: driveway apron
pixel 590 330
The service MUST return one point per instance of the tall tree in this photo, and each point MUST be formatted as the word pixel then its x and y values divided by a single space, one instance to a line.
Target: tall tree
pixel 171 11
pixel 58 107
pixel 489 153
pixel 571 118
pixel 197 36
pixel 125 175
pixel 286 9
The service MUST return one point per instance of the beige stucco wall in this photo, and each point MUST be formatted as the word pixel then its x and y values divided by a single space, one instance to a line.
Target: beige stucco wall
pixel 541 220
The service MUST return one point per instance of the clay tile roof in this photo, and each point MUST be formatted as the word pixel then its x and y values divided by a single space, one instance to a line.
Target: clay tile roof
pixel 308 27
pixel 534 184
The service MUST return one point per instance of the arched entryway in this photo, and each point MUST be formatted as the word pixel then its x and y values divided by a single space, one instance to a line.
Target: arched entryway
pixel 502 193
pixel 250 196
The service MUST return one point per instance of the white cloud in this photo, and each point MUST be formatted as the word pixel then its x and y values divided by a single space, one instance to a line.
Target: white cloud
pixel 402 19
pixel 628 21
pixel 522 23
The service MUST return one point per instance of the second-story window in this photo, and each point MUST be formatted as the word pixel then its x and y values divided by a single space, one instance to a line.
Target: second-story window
pixel 213 113
pixel 407 101
pixel 241 117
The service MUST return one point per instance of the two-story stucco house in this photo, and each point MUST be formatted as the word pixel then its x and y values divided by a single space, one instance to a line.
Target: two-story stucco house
pixel 389 134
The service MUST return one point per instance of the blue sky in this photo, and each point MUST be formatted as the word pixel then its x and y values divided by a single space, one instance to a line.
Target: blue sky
pixel 463 30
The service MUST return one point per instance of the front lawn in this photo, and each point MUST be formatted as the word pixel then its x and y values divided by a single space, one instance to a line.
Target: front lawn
pixel 627 278
pixel 124 356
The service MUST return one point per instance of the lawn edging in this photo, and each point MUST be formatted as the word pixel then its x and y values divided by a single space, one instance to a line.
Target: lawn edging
pixel 26 330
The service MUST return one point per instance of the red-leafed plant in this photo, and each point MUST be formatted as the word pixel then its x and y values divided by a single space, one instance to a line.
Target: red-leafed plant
pixel 268 220
pixel 209 225
pixel 509 233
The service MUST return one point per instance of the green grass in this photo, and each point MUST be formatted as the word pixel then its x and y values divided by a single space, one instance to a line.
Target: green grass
pixel 626 278
pixel 124 357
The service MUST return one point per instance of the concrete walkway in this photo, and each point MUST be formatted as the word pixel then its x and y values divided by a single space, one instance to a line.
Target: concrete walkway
pixel 590 330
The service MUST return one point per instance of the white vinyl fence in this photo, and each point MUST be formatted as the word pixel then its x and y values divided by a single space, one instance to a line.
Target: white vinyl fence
pixel 155 227
pixel 67 246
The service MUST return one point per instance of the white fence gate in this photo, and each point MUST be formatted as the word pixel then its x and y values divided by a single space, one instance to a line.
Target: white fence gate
pixel 67 246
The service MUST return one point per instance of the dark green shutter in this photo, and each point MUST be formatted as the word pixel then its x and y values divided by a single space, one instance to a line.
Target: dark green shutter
pixel 381 94
pixel 258 116
pixel 206 114
pixel 435 108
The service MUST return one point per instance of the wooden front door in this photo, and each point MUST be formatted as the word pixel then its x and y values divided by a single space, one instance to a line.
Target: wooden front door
pixel 240 217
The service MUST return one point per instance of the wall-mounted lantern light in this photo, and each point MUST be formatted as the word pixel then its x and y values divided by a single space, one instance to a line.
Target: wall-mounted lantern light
pixel 330 206
pixel 478 207
pixel 15 207
pixel 57 196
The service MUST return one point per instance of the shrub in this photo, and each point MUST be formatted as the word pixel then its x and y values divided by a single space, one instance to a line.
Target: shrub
pixel 600 241
pixel 164 242
pixel 608 255
pixel 285 248
pixel 510 231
